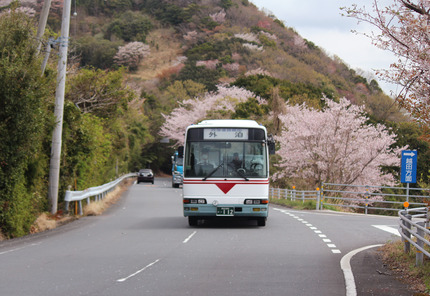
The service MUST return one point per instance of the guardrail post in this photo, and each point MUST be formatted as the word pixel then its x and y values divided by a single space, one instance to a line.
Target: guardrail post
pixel 294 193
pixel 407 233
pixel 419 256
pixel 81 212
pixel 367 199
pixel 322 196
pixel 279 193
pixel 303 197
pixel 428 216
pixel 318 199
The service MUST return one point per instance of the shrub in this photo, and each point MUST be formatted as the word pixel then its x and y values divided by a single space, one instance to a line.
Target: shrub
pixel 24 124
pixel 96 52
pixel 130 26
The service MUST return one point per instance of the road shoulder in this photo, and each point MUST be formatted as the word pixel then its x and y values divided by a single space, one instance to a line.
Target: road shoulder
pixel 372 276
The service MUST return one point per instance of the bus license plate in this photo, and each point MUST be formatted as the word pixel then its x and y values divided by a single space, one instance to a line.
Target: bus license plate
pixel 225 211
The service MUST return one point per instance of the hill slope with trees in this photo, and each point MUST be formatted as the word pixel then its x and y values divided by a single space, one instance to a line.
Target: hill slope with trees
pixel 136 67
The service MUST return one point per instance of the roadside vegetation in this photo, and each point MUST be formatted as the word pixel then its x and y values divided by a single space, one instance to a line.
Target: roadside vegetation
pixel 403 267
pixel 136 68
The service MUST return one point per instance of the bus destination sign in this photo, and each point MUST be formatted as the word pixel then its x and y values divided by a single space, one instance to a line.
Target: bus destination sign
pixel 225 134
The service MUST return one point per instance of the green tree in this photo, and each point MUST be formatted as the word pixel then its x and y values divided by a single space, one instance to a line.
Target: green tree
pixel 99 92
pixel 96 52
pixel 185 90
pixel 24 124
pixel 130 26
pixel 87 148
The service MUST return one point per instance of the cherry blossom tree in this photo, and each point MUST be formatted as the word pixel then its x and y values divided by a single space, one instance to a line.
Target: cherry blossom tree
pixel 404 30
pixel 131 54
pixel 335 145
pixel 211 105
pixel 218 17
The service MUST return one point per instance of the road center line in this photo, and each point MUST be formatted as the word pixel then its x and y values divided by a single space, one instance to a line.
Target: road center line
pixel 347 271
pixel 137 272
pixel 188 238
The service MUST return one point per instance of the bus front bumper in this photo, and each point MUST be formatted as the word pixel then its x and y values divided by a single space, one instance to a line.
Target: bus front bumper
pixel 229 210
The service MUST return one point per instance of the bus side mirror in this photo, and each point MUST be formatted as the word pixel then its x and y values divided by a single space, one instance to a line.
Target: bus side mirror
pixel 271 144
pixel 181 151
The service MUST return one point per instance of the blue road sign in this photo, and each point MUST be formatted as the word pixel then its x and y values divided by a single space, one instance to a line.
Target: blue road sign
pixel 408 172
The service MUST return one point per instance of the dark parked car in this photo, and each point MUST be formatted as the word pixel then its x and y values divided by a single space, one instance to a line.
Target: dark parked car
pixel 145 175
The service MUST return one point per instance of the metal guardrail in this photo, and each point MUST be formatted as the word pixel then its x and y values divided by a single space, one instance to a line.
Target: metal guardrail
pixel 409 228
pixel 363 196
pixel 296 195
pixel 98 192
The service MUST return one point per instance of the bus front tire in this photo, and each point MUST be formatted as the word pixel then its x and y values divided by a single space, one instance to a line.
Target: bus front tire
pixel 192 221
pixel 261 222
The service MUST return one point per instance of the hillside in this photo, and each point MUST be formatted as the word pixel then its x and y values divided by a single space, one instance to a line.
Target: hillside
pixel 227 38
pixel 130 63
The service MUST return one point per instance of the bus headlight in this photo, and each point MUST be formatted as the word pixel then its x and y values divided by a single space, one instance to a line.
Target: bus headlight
pixel 256 201
pixel 194 201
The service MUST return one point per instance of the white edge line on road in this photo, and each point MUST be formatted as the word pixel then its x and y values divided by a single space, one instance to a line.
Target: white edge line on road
pixel 387 229
pixel 188 238
pixel 347 271
pixel 137 272
pixel 17 249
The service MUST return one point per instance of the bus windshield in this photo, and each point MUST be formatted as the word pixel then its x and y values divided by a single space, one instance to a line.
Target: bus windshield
pixel 218 159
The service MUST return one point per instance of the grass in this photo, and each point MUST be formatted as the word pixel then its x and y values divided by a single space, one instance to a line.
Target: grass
pixel 164 51
pixel 403 266
pixel 300 205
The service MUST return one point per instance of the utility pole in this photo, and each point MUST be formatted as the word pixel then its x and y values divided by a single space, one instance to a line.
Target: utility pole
pixel 42 23
pixel 54 166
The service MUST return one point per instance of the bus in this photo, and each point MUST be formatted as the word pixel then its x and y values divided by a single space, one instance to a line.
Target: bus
pixel 177 169
pixel 226 170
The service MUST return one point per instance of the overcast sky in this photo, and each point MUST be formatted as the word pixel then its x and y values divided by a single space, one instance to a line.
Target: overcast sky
pixel 321 22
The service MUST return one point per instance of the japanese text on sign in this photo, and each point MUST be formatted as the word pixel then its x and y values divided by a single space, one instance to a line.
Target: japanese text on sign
pixel 225 134
pixel 408 171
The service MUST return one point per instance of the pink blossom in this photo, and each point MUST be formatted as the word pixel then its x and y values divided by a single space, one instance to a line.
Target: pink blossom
pixel 250 37
pixel 218 17
pixel 403 28
pixel 335 145
pixel 194 110
pixel 234 67
pixel 210 64
pixel 258 71
pixel 131 54
pixel 253 47
pixel 191 36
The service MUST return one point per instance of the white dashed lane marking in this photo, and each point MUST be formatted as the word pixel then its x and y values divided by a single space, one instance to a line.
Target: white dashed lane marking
pixel 327 241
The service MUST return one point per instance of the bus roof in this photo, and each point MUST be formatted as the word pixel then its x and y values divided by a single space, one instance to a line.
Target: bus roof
pixel 244 123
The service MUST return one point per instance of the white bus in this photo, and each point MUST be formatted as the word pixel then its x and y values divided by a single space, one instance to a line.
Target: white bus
pixel 226 170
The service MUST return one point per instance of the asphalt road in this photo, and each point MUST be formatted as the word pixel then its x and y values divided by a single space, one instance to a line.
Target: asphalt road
pixel 144 246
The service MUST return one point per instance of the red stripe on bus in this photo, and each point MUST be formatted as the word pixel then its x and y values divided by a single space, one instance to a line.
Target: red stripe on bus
pixel 225 186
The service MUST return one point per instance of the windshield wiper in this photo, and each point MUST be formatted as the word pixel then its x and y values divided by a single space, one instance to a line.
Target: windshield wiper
pixel 213 171
pixel 239 171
